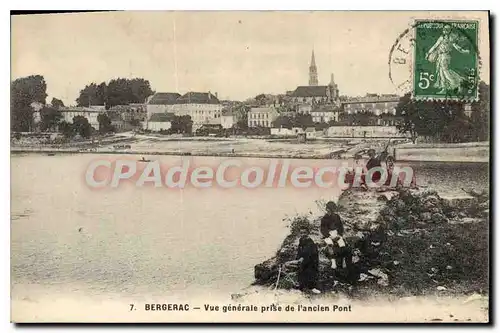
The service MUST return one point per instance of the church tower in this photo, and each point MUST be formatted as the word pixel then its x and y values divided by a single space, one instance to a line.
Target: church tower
pixel 313 72
pixel 334 90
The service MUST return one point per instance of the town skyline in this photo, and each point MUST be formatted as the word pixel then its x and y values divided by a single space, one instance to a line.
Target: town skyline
pixel 241 55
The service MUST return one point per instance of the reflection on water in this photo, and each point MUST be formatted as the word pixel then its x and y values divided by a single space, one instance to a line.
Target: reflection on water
pixel 159 241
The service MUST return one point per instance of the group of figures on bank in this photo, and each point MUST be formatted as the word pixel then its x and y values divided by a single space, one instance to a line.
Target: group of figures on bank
pixel 336 249
pixel 333 243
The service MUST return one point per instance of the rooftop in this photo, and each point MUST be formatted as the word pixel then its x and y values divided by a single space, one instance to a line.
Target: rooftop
pixel 198 98
pixel 372 99
pixel 81 109
pixel 262 109
pixel 310 91
pixel 163 98
pixel 325 108
pixel 162 117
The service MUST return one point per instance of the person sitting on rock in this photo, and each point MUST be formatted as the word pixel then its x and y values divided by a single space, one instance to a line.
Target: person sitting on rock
pixel 374 162
pixel 331 221
pixel 308 263
pixel 332 229
pixel 308 256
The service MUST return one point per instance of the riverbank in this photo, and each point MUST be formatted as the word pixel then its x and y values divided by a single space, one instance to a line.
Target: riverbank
pixel 259 148
pixel 439 152
pixel 405 243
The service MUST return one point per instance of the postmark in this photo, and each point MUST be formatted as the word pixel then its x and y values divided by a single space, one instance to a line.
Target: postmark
pixel 437 59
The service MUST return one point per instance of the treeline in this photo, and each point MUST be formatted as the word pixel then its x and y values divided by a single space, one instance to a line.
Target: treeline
pixel 33 89
pixel 23 92
pixel 117 92
pixel 446 121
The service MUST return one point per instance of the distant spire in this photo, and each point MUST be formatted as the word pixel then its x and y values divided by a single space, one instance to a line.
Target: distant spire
pixel 313 60
pixel 332 81
pixel 313 71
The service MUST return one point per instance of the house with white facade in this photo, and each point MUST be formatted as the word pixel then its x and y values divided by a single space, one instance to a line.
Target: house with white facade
pixel 91 113
pixel 325 113
pixel 262 116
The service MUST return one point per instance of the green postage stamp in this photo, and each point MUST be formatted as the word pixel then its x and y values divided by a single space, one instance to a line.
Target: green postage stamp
pixel 445 58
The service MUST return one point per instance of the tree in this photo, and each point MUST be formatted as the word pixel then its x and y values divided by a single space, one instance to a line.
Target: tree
pixel 242 124
pixel 66 129
pixel 480 118
pixel 458 130
pixel 261 99
pixel 105 124
pixel 303 120
pixel 23 92
pixel 283 122
pixel 321 126
pixel 57 103
pixel 49 118
pixel 181 124
pixel 123 91
pixel 135 122
pixel 81 126
pixel 91 95
pixel 427 118
pixel 118 91
pixel 141 89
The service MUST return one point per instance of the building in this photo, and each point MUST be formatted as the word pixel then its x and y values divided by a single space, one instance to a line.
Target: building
pixel 286 132
pixel 325 113
pixel 159 121
pixel 200 106
pixel 228 118
pixel 314 93
pixel 372 103
pixel 161 102
pixel 130 112
pixel 311 133
pixel 119 124
pixel 91 113
pixel 262 116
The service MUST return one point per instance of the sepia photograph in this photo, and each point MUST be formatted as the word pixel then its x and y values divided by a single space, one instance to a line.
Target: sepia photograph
pixel 250 167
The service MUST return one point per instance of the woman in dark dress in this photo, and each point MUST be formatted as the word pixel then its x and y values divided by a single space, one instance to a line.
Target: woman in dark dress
pixel 308 258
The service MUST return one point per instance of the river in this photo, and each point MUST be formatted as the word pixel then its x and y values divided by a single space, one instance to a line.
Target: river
pixel 68 238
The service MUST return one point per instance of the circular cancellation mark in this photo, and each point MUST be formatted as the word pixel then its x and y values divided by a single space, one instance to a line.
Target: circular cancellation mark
pixel 437 60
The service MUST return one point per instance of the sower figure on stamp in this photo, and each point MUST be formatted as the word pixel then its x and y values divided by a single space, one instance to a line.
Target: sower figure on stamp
pixel 440 53
pixel 332 229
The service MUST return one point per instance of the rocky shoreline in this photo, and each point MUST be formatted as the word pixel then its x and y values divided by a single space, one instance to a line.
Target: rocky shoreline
pixel 405 242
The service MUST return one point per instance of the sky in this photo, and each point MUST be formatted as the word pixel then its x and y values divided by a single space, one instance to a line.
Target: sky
pixel 236 54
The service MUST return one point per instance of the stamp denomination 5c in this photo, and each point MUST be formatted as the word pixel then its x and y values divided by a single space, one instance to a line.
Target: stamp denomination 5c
pixel 445 60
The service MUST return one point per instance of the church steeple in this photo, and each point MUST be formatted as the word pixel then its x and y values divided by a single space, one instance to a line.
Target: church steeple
pixel 313 71
pixel 332 81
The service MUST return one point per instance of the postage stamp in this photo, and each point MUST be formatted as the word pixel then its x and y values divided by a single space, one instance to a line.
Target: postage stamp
pixel 445 59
